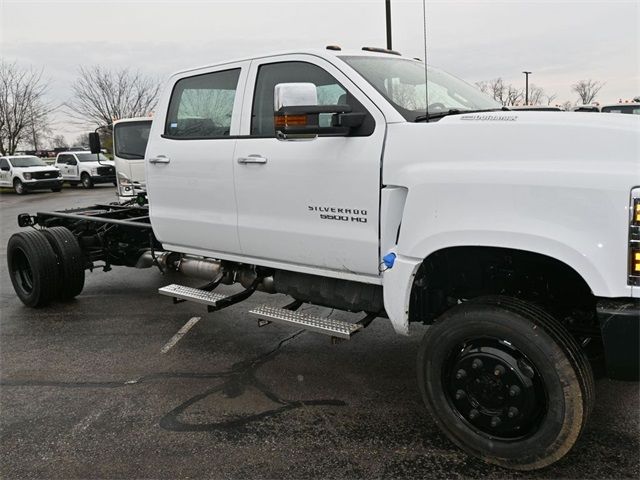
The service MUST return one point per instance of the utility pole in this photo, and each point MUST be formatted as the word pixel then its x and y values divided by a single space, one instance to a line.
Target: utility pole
pixel 387 4
pixel 526 87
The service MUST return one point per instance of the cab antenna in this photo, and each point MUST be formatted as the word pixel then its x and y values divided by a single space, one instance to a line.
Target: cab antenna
pixel 426 70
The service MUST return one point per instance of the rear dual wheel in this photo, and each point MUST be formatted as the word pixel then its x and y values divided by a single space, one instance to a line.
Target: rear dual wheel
pixel 45 265
pixel 505 382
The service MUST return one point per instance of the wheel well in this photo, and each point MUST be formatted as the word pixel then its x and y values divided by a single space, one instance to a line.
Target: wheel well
pixel 456 274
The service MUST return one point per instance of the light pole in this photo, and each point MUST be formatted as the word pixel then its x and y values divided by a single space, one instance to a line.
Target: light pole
pixel 387 5
pixel 526 88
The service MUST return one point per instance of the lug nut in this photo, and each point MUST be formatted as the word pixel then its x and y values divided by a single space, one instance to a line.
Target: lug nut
pixel 498 371
pixel 473 414
pixel 460 374
pixel 460 394
pixel 476 364
pixel 495 421
pixel 514 391
pixel 513 412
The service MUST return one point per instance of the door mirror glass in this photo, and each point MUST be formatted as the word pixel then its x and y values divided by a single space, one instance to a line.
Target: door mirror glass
pixel 94 143
pixel 72 161
pixel 4 168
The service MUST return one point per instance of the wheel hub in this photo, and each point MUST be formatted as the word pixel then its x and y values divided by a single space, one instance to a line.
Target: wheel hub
pixel 495 388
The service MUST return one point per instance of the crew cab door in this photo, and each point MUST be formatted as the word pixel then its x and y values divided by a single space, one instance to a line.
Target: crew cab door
pixel 310 202
pixel 189 159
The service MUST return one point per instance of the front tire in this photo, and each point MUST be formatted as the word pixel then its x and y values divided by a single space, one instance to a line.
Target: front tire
pixel 57 189
pixel 18 186
pixel 33 268
pixel 505 382
pixel 86 180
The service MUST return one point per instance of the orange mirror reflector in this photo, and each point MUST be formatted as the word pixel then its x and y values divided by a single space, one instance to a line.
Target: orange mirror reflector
pixel 290 121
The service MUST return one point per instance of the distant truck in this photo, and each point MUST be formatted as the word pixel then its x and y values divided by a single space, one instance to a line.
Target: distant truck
pixel 130 137
pixel 24 173
pixel 85 168
pixel 322 175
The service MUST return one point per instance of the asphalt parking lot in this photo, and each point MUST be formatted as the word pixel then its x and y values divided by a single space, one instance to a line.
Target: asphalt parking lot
pixel 85 391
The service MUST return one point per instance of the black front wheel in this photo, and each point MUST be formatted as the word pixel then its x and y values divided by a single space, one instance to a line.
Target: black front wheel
pixel 18 187
pixel 505 382
pixel 86 180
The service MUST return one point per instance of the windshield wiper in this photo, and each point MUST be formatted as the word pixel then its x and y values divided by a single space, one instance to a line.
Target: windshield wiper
pixel 454 111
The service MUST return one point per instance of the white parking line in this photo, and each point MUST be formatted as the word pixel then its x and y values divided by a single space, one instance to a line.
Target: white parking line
pixel 181 333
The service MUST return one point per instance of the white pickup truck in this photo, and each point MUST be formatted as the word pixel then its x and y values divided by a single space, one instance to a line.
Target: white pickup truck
pixel 24 173
pixel 85 168
pixel 326 176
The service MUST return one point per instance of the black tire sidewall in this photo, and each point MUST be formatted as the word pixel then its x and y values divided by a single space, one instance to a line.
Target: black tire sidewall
pixel 43 265
pixel 86 181
pixel 70 261
pixel 19 190
pixel 562 423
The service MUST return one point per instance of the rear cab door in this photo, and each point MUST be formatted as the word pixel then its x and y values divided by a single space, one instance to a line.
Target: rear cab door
pixel 189 157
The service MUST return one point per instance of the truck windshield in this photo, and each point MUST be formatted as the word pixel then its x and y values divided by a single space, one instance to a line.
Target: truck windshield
pixel 402 82
pixel 27 162
pixel 130 139
pixel 91 157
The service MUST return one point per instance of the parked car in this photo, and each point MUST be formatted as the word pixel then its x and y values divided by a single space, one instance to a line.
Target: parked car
pixel 629 108
pixel 26 172
pixel 85 168
pixel 586 108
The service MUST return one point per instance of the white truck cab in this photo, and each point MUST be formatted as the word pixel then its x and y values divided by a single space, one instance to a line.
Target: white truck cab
pixel 24 173
pixel 86 168
pixel 352 181
pixel 130 138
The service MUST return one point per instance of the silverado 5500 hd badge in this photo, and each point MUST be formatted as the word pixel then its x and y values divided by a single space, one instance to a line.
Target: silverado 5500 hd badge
pixel 340 214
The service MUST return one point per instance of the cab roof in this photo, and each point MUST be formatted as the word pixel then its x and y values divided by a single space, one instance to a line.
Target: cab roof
pixel 328 54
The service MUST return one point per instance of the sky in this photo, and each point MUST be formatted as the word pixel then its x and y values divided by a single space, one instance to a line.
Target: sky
pixel 560 41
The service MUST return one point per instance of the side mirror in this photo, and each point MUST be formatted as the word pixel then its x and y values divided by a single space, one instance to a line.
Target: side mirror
pixel 5 168
pixel 297 113
pixel 72 161
pixel 94 142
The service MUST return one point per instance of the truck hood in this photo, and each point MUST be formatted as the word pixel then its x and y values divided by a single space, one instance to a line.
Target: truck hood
pixel 46 168
pixel 581 149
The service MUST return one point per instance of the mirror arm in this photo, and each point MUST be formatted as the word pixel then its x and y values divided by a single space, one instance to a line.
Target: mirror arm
pixel 313 109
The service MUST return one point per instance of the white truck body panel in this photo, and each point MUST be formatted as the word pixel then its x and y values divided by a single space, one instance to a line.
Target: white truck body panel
pixel 552 183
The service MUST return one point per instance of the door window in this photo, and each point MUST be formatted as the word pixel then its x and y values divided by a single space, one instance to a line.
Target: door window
pixel 329 92
pixel 202 106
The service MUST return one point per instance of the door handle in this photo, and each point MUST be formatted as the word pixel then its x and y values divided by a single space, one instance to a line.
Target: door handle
pixel 252 159
pixel 160 159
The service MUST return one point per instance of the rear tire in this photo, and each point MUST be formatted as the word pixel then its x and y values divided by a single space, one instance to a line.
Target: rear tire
pixel 86 181
pixel 18 186
pixel 505 382
pixel 70 261
pixel 57 189
pixel 33 268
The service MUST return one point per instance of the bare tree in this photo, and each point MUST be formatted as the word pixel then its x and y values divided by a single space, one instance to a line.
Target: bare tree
pixel 23 107
pixel 551 98
pixel 58 141
pixel 513 96
pixel 568 106
pixel 101 96
pixel 536 95
pixel 587 90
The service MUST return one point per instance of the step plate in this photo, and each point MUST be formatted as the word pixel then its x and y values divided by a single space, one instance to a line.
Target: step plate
pixel 191 294
pixel 335 328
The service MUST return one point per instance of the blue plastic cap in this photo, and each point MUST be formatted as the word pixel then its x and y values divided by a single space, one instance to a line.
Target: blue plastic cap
pixel 389 259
